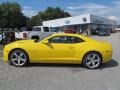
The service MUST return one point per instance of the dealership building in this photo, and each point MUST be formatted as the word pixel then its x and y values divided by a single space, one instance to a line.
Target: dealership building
pixel 81 24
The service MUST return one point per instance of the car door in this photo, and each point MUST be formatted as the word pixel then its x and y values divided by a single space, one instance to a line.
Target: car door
pixel 59 49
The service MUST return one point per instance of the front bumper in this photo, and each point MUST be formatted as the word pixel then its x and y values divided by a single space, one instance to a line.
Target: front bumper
pixel 5 55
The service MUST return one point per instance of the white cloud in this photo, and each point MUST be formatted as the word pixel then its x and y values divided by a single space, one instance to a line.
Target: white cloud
pixel 26 7
pixel 111 12
pixel 113 18
pixel 28 11
pixel 87 6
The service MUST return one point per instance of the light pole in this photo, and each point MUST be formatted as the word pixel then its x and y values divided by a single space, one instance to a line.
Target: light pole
pixel 85 20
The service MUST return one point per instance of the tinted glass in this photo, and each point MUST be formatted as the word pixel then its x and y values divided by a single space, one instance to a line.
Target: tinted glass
pixel 72 39
pixel 46 29
pixel 65 39
pixel 57 39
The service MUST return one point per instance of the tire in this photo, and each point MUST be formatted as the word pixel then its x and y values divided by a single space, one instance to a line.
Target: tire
pixel 92 60
pixel 18 58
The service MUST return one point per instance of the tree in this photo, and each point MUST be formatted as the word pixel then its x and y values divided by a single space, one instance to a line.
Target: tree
pixel 32 21
pixel 49 14
pixel 11 16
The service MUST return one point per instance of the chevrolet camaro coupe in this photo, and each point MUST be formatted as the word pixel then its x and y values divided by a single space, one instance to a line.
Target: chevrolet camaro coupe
pixel 59 48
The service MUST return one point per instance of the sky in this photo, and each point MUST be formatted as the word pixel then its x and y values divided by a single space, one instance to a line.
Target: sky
pixel 105 8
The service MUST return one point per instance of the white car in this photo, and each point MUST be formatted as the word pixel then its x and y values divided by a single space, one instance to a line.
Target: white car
pixel 38 32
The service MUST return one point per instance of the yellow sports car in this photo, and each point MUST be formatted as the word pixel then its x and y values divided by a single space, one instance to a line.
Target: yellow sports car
pixel 59 48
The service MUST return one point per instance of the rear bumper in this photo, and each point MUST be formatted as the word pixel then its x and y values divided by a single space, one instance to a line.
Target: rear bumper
pixel 107 56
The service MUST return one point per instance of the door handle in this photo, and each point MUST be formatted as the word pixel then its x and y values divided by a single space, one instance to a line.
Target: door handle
pixel 70 47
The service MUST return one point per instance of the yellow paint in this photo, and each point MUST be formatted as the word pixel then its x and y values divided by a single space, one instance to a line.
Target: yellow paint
pixel 44 52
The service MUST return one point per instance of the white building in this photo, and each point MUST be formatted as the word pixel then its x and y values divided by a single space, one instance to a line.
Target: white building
pixel 85 23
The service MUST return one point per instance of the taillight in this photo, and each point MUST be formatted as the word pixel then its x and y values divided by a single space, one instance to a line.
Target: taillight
pixel 25 35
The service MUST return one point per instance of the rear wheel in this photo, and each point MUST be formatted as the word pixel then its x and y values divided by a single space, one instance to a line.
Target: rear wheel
pixel 18 58
pixel 92 60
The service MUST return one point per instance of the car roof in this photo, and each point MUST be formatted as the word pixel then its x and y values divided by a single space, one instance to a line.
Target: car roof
pixel 69 34
pixel 65 34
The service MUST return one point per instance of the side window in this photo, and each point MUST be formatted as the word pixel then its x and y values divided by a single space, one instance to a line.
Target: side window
pixel 65 39
pixel 57 39
pixel 72 39
pixel 78 40
pixel 69 39
pixel 46 29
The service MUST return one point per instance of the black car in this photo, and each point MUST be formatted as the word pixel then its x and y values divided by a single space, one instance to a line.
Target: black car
pixel 104 32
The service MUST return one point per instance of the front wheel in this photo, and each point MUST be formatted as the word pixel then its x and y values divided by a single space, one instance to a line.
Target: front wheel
pixel 92 60
pixel 18 58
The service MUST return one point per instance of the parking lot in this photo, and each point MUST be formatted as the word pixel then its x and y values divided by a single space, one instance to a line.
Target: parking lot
pixel 64 77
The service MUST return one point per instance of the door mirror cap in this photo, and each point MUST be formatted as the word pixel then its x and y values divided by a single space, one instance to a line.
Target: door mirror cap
pixel 45 42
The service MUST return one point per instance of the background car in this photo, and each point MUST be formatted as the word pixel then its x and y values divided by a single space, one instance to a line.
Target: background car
pixel 59 48
pixel 2 37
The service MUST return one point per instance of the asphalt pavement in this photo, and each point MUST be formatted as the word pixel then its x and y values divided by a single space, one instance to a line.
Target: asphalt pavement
pixel 64 77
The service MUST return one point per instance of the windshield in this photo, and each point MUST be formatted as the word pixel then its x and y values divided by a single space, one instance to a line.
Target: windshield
pixel 45 36
pixel 36 29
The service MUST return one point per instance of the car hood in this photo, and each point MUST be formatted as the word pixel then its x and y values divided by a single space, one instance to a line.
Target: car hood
pixel 24 44
pixel 23 41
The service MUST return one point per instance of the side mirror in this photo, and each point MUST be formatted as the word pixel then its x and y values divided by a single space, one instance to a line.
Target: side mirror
pixel 45 42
